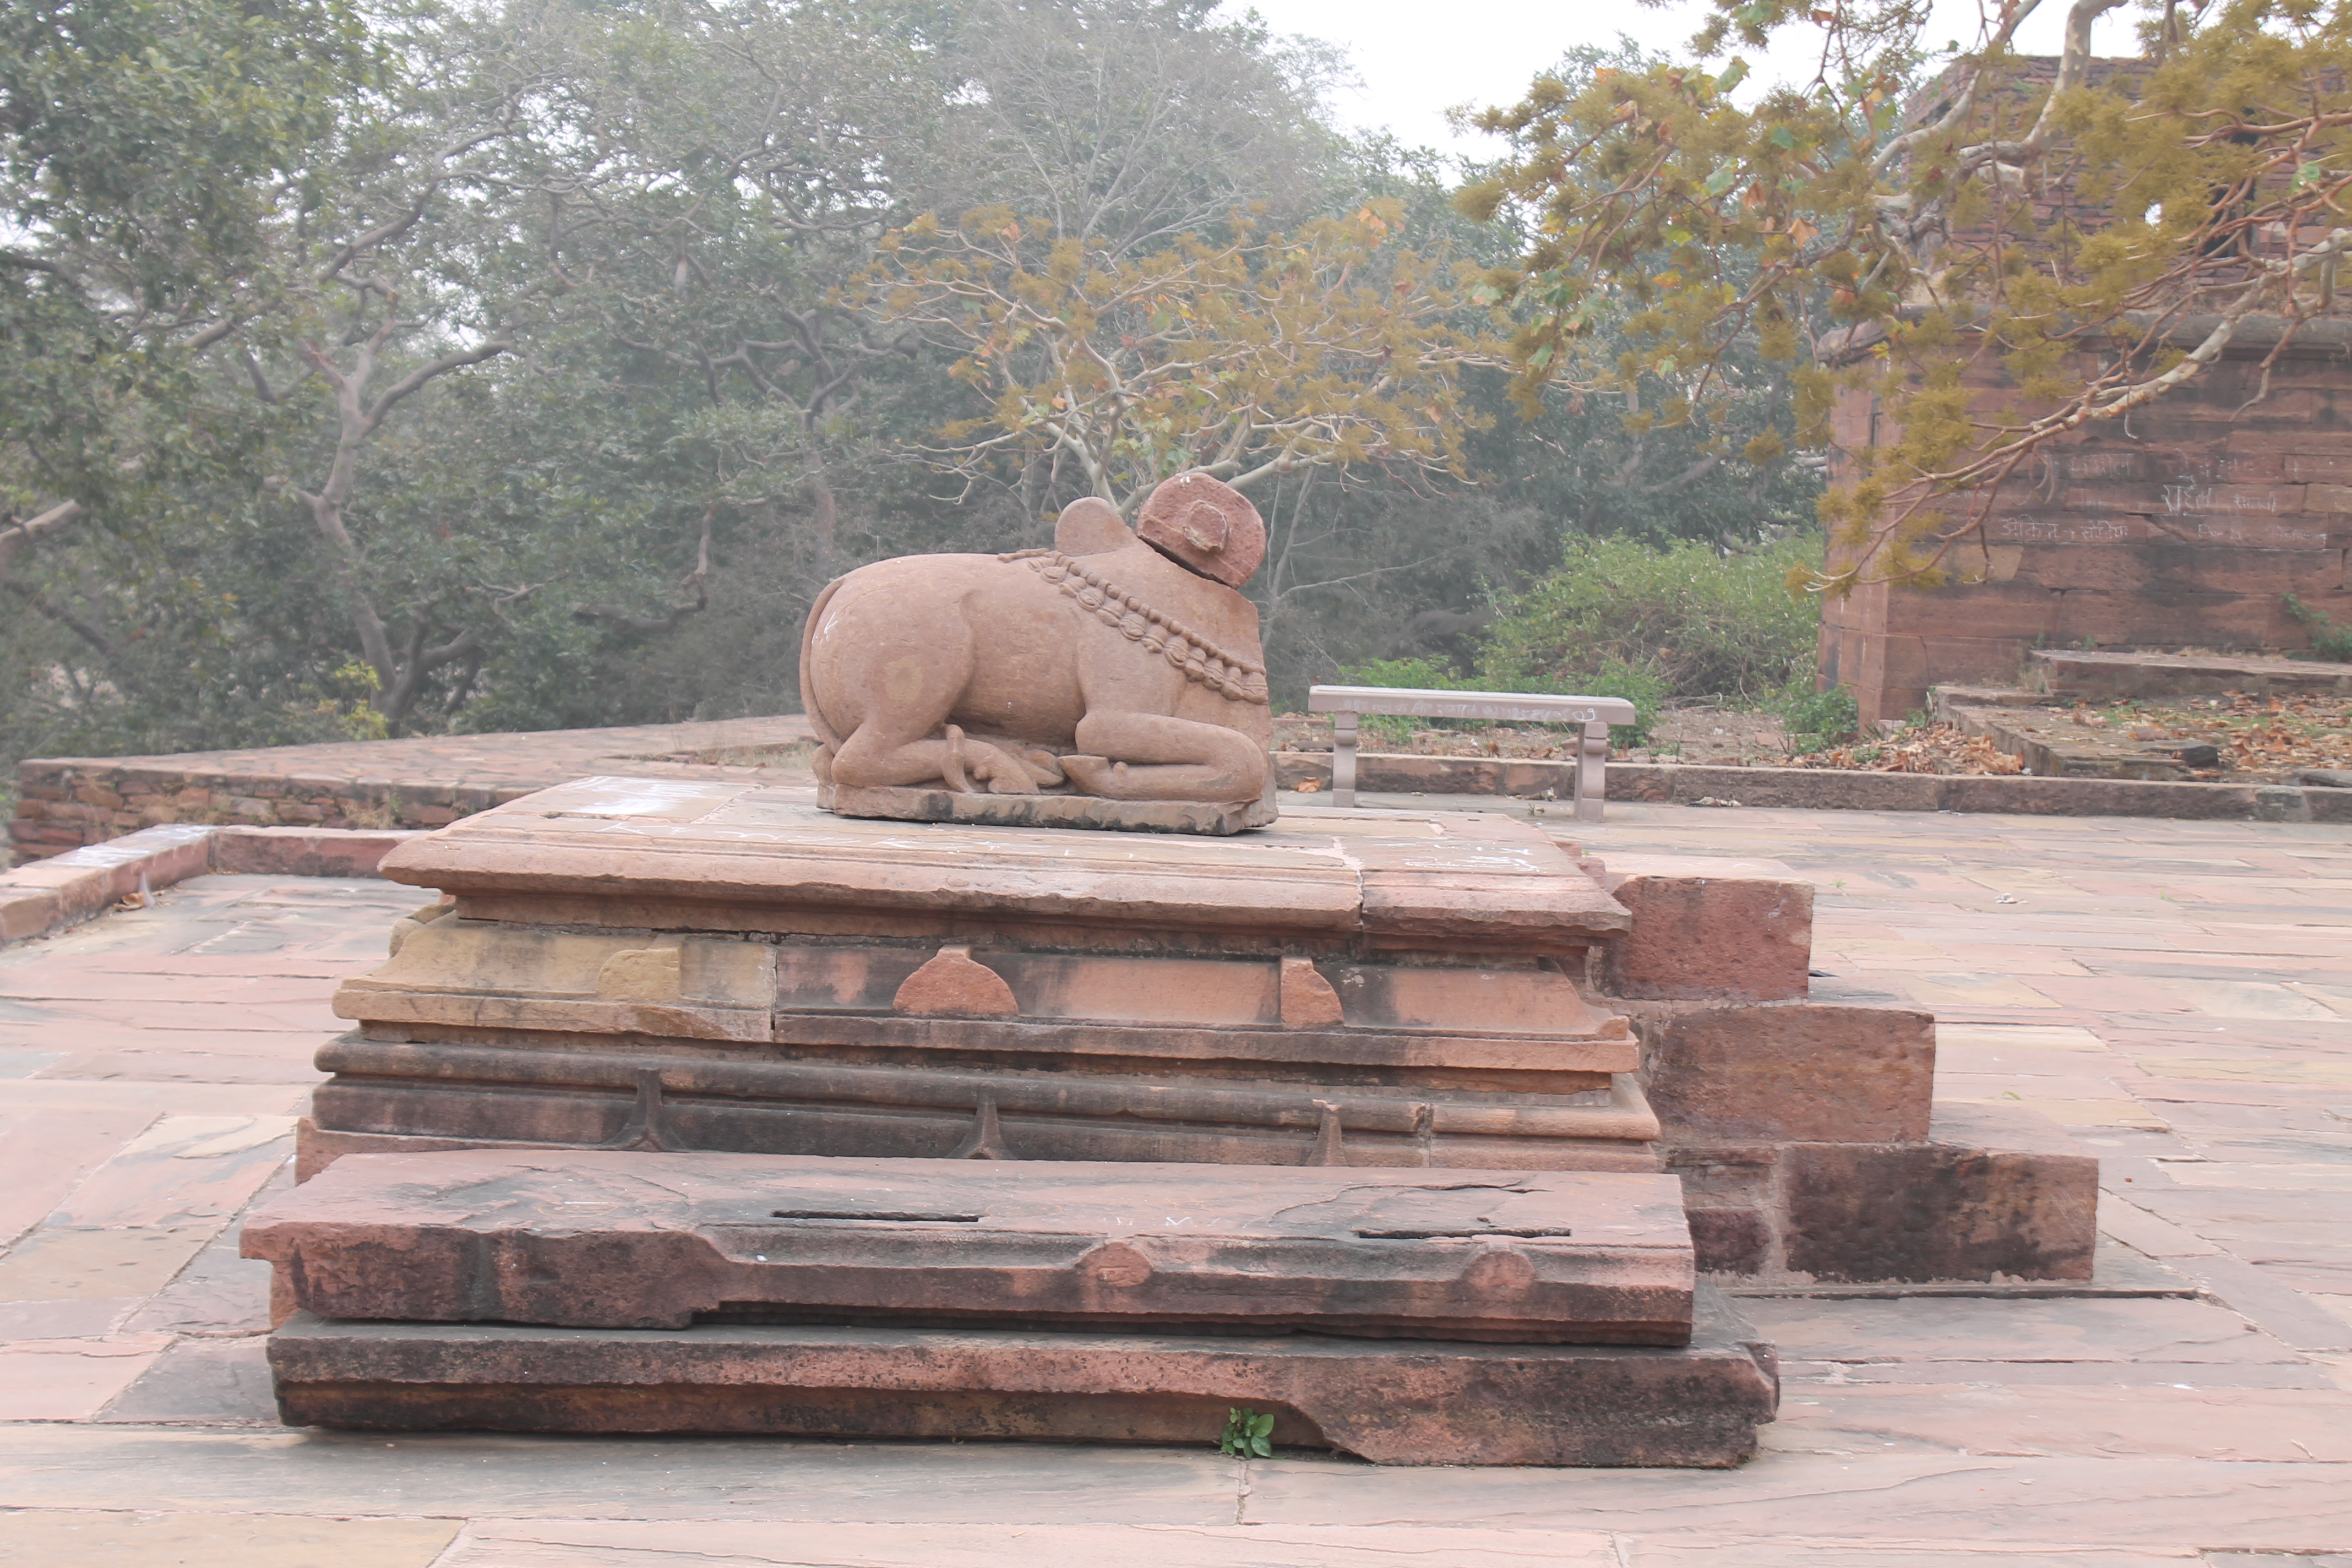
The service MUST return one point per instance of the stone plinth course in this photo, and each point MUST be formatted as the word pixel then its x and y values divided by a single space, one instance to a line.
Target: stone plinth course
pixel 643 1240
pixel 1393 1403
pixel 665 964
pixel 1477 1317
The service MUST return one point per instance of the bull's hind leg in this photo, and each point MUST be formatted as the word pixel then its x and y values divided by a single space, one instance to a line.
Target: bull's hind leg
pixel 1148 756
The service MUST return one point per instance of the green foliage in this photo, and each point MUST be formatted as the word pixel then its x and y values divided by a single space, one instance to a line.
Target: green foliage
pixel 1619 618
pixel 1248 1435
pixel 1420 673
pixel 1813 720
pixel 2328 640
pixel 1913 217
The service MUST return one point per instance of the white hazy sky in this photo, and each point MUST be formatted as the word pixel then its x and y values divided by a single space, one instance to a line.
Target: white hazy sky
pixel 1416 60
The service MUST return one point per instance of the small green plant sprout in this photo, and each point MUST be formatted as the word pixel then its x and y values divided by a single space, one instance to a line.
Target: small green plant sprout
pixel 2328 640
pixel 1248 1435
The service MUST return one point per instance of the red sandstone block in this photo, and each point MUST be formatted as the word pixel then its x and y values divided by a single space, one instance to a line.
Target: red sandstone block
pixel 1995 1193
pixel 86 881
pixel 1793 1071
pixel 1417 1403
pixel 27 910
pixel 607 1239
pixel 303 851
pixel 1704 928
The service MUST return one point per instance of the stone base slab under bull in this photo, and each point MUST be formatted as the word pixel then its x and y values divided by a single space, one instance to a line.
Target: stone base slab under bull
pixel 644 1240
pixel 1390 1401
pixel 669 965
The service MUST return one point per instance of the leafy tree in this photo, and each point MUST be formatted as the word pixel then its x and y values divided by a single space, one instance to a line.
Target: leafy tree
pixel 1876 240
pixel 140 144
pixel 1125 125
pixel 1245 356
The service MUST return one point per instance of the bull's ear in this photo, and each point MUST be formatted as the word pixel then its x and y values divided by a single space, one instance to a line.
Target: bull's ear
pixel 1090 526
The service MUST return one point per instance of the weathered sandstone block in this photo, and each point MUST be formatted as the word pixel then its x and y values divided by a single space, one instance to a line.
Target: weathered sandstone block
pixel 1992 1195
pixel 1707 928
pixel 1392 1403
pixel 1791 1072
pixel 599 1239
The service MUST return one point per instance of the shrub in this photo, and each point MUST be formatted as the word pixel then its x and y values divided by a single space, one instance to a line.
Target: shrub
pixel 1619 618
pixel 1415 674
pixel 1811 719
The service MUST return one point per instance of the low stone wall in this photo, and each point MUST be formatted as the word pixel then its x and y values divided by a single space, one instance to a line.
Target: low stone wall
pixel 1826 789
pixel 82 884
pixel 424 782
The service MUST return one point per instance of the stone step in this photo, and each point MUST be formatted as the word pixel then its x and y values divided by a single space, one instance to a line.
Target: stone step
pixel 608 1240
pixel 2098 676
pixel 1392 1403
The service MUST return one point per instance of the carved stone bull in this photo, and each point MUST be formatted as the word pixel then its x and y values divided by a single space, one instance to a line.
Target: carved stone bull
pixel 1121 663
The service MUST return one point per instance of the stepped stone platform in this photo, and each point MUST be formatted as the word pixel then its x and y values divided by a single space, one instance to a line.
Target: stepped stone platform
pixel 1479 1318
pixel 677 966
pixel 674 964
pixel 2106 675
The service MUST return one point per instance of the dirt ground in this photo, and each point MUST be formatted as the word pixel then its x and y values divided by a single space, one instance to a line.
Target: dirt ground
pixel 2252 740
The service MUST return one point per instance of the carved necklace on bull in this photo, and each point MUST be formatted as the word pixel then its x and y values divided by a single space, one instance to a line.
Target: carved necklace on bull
pixel 1202 662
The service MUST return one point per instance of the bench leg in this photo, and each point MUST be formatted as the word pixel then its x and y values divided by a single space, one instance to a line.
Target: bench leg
pixel 1343 759
pixel 1592 770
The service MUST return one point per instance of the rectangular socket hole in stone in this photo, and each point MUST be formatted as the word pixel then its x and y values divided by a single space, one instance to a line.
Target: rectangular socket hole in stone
pixel 1438 1233
pixel 898 1216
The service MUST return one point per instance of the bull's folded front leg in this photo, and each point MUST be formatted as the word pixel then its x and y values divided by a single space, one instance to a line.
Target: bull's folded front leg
pixel 1149 756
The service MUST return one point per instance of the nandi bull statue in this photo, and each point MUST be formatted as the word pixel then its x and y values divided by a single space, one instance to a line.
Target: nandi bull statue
pixel 1114 680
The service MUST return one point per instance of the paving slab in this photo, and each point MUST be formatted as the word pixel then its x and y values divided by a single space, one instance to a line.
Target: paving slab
pixel 1749 1553
pixel 122 1538
pixel 2086 1422
pixel 213 1383
pixel 71 1379
pixel 459 1475
pixel 1899 1499
pixel 1980 1329
pixel 600 1543
pixel 84 1265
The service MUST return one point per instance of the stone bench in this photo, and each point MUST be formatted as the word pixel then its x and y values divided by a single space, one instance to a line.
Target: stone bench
pixel 1588 773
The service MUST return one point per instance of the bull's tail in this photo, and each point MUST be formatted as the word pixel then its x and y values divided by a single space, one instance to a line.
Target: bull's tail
pixel 829 738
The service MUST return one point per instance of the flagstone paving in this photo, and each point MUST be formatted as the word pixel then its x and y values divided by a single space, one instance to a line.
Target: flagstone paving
pixel 2179 992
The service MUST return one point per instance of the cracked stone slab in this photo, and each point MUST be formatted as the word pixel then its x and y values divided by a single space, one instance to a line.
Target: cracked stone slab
pixel 610 1239
pixel 1394 1401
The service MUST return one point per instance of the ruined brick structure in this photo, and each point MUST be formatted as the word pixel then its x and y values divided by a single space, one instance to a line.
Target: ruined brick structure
pixel 2181 526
